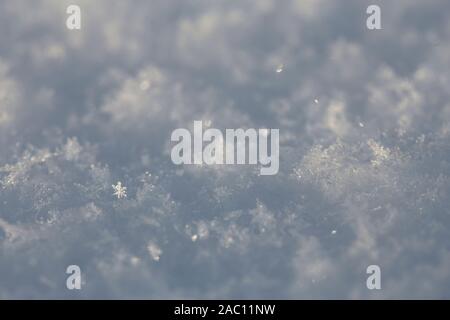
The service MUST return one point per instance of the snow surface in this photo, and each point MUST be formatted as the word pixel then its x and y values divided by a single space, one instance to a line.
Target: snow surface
pixel 364 119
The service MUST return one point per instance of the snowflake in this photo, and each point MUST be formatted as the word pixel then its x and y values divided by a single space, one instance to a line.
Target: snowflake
pixel 120 192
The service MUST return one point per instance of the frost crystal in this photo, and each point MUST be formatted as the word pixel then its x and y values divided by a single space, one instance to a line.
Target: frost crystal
pixel 119 191
pixel 380 153
pixel 144 85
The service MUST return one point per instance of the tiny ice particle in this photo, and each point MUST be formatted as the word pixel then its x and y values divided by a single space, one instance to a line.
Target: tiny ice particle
pixel 119 191
pixel 316 101
pixel 361 125
pixel 194 238
pixel 280 68
pixel 333 232
pixel 154 251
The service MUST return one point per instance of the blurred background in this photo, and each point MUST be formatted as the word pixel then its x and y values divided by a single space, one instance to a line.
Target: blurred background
pixel 364 119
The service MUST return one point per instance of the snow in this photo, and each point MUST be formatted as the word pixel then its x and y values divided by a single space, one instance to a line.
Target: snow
pixel 85 170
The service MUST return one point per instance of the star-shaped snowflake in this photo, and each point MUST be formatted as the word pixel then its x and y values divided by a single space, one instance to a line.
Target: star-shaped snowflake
pixel 119 191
